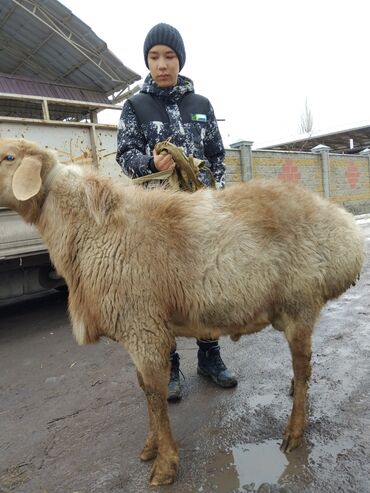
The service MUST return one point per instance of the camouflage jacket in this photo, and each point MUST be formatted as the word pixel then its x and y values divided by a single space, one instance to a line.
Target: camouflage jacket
pixel 156 114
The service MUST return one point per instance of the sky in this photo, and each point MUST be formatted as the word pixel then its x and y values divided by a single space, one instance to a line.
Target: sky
pixel 257 61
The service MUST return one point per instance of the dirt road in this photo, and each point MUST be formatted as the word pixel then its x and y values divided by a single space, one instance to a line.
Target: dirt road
pixel 73 419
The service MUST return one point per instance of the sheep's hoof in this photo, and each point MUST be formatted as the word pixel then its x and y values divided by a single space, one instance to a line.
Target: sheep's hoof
pixel 290 442
pixel 149 452
pixel 163 472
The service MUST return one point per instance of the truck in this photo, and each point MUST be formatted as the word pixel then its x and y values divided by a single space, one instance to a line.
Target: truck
pixel 56 80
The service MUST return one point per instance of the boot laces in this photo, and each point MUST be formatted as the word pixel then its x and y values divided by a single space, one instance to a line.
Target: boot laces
pixel 175 369
pixel 214 356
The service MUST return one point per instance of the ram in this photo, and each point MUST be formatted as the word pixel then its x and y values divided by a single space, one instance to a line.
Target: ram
pixel 144 266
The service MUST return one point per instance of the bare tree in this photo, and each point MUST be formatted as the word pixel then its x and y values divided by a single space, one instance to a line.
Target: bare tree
pixel 306 124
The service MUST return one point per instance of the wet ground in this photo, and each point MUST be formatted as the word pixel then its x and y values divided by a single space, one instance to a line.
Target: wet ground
pixel 73 419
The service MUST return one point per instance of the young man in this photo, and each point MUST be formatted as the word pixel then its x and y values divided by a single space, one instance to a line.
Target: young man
pixel 167 107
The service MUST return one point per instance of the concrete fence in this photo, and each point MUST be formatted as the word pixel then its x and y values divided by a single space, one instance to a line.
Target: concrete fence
pixel 342 178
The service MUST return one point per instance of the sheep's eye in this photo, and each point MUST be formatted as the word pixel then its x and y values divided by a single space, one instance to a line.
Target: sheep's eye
pixel 9 157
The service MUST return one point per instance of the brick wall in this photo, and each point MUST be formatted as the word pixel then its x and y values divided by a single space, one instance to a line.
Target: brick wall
pixel 344 179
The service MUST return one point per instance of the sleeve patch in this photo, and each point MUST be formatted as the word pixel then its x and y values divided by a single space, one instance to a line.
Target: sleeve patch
pixel 198 117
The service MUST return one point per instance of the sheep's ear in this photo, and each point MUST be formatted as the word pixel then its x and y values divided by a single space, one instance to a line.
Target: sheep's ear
pixel 27 178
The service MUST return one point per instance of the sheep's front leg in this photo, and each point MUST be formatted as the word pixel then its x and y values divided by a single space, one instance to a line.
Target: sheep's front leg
pixel 159 443
pixel 299 339
pixel 150 448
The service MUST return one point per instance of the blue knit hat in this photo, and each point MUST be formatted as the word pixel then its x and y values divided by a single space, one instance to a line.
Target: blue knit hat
pixel 164 34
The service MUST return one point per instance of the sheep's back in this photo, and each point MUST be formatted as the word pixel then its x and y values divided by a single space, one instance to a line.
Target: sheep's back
pixel 262 243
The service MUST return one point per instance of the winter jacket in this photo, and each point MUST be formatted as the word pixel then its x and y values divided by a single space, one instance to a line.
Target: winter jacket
pixel 177 112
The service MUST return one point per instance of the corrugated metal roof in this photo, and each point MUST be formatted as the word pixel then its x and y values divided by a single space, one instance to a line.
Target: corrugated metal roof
pixel 348 141
pixel 42 40
pixel 16 85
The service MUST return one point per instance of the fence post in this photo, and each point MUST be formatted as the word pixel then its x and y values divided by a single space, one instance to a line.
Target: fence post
pixel 323 150
pixel 245 148
pixel 366 152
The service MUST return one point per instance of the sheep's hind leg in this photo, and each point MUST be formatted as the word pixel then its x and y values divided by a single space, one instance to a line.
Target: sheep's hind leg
pixel 298 335
pixel 160 443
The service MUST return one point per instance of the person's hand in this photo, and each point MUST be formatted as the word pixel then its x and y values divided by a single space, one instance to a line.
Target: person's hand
pixel 163 161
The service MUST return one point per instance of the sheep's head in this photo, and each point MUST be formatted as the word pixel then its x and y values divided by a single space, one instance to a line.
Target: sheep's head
pixel 21 170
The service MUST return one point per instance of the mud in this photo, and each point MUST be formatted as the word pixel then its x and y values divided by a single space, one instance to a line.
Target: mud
pixel 73 419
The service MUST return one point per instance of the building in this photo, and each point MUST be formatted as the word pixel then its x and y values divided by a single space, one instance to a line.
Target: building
pixel 348 141
pixel 48 52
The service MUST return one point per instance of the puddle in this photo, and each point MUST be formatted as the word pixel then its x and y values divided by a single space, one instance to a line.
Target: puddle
pixel 248 463
pixel 253 464
pixel 251 460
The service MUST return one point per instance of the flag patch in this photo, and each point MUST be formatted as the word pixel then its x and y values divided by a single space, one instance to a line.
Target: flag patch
pixel 198 117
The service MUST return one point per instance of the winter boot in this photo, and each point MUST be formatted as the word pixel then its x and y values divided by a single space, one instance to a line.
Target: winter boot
pixel 210 364
pixel 174 387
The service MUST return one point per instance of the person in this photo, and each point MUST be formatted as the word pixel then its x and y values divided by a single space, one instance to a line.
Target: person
pixel 167 106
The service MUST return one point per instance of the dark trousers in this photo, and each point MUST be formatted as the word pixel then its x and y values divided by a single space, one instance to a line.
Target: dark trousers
pixel 204 345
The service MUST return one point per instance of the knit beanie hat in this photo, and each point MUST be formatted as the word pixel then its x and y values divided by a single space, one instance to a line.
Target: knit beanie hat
pixel 164 34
